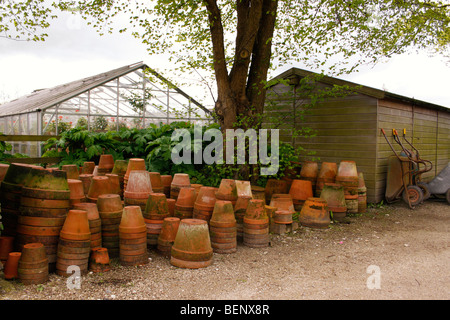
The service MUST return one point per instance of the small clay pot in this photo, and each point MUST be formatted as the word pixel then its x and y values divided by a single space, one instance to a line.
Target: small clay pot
pixel 282 217
pixel 179 181
pixel 114 183
pixel 309 171
pixel 133 164
pixel 105 164
pixel 88 167
pixel 347 174
pixel 204 203
pixel 99 260
pixel 120 167
pixel 132 220
pixel 223 215
pixel 99 185
pixel 243 188
pixel 155 180
pixel 76 226
pixel 167 235
pixel 109 203
pixel 76 191
pixel 166 181
pixel 71 170
pixel 282 202
pixel 227 190
pixel 10 269
pixel 184 205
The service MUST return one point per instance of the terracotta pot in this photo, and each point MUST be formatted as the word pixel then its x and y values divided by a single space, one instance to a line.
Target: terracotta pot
pixel 347 174
pixel 314 213
pixel 33 264
pixel 239 212
pixel 86 179
pixel 50 183
pixel 6 246
pixel 351 201
pixel 275 186
pixel 166 181
pixel 227 190
pixel 107 203
pixel 204 203
pixel 271 212
pixel 154 228
pixel 300 191
pixel 334 195
pixel 184 205
pixel 76 191
pixel 132 220
pixel 73 252
pixel 88 167
pixel 223 229
pixel 259 193
pixel 256 210
pixel 309 171
pixel 243 188
pixel 139 185
pixel 327 174
pixel 167 235
pixel 282 202
pixel 282 217
pixel 16 174
pixel 156 207
pixel 71 170
pixel 223 215
pixel 133 237
pixel 99 260
pixel 155 180
pixel 120 167
pixel 3 169
pixel 171 204
pixel 362 194
pixel 179 181
pixel 256 232
pixel 76 226
pixel 192 245
pixel 99 186
pixel 114 183
pixel 95 222
pixel 11 266
pixel 105 164
pixel 133 164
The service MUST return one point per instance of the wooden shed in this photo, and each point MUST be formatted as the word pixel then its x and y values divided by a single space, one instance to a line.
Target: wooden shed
pixel 348 127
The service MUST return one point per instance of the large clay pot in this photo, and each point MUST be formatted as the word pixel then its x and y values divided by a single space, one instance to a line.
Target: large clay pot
pixel 192 245
pixel 72 171
pixel 156 207
pixel 133 237
pixel 315 214
pixel 110 209
pixel 105 164
pixel 204 203
pixel 33 264
pixel 184 206
pixel 227 190
pixel 223 232
pixel 275 186
pixel 95 222
pixel 167 235
pixel 99 185
pixel 99 260
pixel 155 180
pixel 11 266
pixel 76 191
pixel 300 191
pixel 166 181
pixel 88 167
pixel 327 174
pixel 46 184
pixel 333 194
pixel 179 181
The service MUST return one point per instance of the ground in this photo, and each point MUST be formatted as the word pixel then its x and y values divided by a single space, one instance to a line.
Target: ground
pixel 388 253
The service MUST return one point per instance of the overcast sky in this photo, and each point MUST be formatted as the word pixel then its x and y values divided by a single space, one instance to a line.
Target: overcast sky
pixel 74 51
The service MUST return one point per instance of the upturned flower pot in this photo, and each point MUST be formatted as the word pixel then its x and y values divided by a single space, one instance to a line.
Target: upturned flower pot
pixel 88 167
pixel 11 266
pixel 347 174
pixel 120 167
pixel 86 179
pixel 6 246
pixel 256 232
pixel 157 207
pixel 134 164
pixel 282 217
pixel 33 264
pixel 256 210
pixel 227 190
pixel 76 191
pixel 99 185
pixel 72 171
pixel 95 223
pixel 139 185
pixel 327 174
pixel 259 193
pixel 275 186
pixel 76 226
pixel 49 184
pixel 155 180
pixel 179 180
pixel 204 203
pixel 114 183
pixel 109 203
pixel 315 214
pixel 166 181
pixel 184 205
pixel 99 260
pixel 282 201
pixel 300 191
pixel 223 215
pixel 192 245
pixel 310 171
pixel 132 221
pixel 334 195
pixel 223 228
pixel 243 188
pixel 105 164
pixel 167 235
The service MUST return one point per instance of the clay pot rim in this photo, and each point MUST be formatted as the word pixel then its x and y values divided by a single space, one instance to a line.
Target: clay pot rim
pixel 136 195
pixel 256 221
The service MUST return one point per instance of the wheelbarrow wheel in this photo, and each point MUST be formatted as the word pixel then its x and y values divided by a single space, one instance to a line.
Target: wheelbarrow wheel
pixel 415 195
pixel 425 190
pixel 447 196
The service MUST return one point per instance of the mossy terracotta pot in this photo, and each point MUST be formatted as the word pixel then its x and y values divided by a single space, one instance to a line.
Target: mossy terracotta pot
pixel 227 190
pixel 185 203
pixel 179 180
pixel 166 181
pixel 155 180
pixel 3 169
pixel 132 221
pixel 120 167
pixel 259 192
pixel 204 203
pixel 334 195
pixel 327 174
pixel 300 191
pixel 99 185
pixel 223 215
pixel 76 191
pixel 86 179
pixel 76 226
pixel 88 167
pixel 11 266
pixel 315 214
pixel 271 212
pixel 6 246
pixel 114 183
pixel 33 264
pixel 99 260
pixel 256 210
pixel 275 186
pixel 282 201
pixel 16 174
pixel 192 245
pixel 48 184
pixel 241 207
pixel 167 235
pixel 72 171
pixel 347 174
pixel 157 207
pixel 139 185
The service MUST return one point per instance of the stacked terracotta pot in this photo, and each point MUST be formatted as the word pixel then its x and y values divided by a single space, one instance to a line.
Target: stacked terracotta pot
pixel 110 209
pixel 192 246
pixel 138 189
pixel 347 176
pixel 327 174
pixel 156 210
pixel 167 235
pixel 239 212
pixel 259 193
pixel 179 180
pixel 256 224
pixel 227 191
pixel 76 192
pixel 99 260
pixel 32 267
pixel 204 203
pixel 95 223
pixel 184 206
pixel 120 169
pixel 45 202
pixel 133 164
pixel 334 195
pixel 315 214
pixel 222 228
pixel 281 209
pixel 74 244
pixel 105 164
pixel 10 195
pixel 133 237
pixel 300 191
pixel 99 185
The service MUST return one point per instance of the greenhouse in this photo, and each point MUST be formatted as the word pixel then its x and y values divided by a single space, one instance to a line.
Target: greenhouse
pixel 132 96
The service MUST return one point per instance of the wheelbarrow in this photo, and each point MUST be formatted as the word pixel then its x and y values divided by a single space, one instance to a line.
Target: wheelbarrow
pixel 440 185
pixel 404 172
